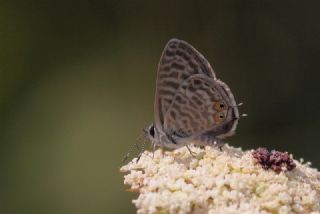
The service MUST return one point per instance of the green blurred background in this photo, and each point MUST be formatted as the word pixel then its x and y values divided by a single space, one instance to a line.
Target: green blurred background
pixel 78 77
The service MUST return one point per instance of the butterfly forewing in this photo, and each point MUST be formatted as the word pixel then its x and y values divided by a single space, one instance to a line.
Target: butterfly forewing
pixel 178 62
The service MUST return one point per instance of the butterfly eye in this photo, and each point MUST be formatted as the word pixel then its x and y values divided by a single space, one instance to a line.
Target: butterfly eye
pixel 151 131
pixel 220 106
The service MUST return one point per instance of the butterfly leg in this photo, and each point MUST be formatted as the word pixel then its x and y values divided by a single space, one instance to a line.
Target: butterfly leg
pixel 193 154
pixel 219 144
pixel 153 149
pixel 209 140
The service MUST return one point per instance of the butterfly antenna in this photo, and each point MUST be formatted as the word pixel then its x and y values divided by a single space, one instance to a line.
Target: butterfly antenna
pixel 135 145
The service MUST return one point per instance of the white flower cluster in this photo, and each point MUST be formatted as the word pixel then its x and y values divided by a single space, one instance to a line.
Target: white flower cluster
pixel 228 181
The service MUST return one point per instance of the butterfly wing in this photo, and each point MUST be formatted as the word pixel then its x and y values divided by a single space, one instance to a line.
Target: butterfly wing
pixel 201 106
pixel 179 61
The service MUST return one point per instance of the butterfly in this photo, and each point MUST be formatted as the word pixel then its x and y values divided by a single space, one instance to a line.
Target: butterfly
pixel 191 105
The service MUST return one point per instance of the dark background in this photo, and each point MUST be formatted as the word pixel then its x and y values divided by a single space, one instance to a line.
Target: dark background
pixel 78 77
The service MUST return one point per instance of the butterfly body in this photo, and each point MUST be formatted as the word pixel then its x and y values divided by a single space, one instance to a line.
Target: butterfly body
pixel 191 104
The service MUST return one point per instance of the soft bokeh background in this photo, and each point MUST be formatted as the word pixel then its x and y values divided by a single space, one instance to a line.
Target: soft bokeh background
pixel 78 77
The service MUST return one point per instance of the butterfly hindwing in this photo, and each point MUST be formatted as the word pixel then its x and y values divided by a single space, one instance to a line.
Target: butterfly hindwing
pixel 200 106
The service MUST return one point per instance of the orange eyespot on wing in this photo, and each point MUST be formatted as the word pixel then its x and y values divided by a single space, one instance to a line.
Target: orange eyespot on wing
pixel 219 117
pixel 220 106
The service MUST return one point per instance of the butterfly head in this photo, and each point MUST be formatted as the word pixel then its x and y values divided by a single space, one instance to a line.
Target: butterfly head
pixel 157 137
